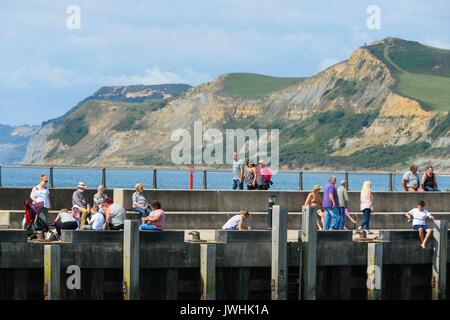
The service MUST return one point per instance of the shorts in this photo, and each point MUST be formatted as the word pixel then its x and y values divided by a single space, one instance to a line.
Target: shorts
pixel 418 226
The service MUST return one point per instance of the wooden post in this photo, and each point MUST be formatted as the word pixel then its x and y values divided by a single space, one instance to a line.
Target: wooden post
pixel 300 180
pixel 155 179
pixel 52 185
pixel 309 248
pixel 346 179
pixel 208 271
pixel 104 178
pixel 52 272
pixel 374 270
pixel 439 271
pixel 131 260
pixel 205 179
pixel 279 253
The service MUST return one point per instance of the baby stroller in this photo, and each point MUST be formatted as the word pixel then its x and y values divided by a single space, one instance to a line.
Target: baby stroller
pixel 33 221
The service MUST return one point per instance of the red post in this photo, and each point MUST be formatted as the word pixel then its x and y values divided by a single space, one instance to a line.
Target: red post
pixel 191 177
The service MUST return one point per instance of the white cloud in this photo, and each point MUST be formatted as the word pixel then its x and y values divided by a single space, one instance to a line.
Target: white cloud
pixel 59 77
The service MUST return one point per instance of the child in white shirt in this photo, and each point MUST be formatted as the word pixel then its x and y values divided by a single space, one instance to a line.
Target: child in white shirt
pixel 419 216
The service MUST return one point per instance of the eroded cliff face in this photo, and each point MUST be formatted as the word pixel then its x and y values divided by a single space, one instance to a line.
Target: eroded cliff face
pixel 359 85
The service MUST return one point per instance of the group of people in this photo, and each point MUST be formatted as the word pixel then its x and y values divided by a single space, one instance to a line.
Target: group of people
pixel 411 181
pixel 333 209
pixel 255 177
pixel 100 214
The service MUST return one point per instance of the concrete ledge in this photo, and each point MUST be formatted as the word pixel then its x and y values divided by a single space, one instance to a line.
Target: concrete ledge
pixel 337 235
pixel 91 236
pixel 243 236
pixel 161 236
pixel 10 235
pixel 399 235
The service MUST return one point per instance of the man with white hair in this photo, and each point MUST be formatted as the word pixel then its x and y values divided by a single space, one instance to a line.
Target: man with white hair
pixel 330 204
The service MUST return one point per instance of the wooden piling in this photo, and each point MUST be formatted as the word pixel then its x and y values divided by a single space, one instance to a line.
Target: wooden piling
pixel 52 272
pixel 309 251
pixel 279 253
pixel 374 270
pixel 131 260
pixel 439 266
pixel 208 271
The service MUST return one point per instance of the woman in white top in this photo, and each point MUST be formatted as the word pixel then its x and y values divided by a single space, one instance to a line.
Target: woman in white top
pixel 40 193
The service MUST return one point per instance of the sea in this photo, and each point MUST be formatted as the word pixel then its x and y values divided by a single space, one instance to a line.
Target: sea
pixel 179 179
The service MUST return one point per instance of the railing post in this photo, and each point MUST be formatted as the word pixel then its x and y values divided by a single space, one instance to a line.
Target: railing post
pixel 439 271
pixel 300 180
pixel 52 185
pixel 155 179
pixel 279 253
pixel 374 270
pixel 0 176
pixel 309 251
pixel 52 272
pixel 131 260
pixel 104 178
pixel 391 183
pixel 346 179
pixel 208 271
pixel 205 179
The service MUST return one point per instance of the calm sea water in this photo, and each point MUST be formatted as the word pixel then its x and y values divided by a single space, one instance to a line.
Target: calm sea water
pixel 123 178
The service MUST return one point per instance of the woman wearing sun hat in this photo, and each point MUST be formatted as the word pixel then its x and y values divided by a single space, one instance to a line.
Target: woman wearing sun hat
pixel 314 199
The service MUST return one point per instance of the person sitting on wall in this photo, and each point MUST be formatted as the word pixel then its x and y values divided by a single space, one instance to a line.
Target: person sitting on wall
pixel 140 204
pixel 314 199
pixel 419 223
pixel 411 180
pixel 238 222
pixel 97 220
pixel 155 220
pixel 429 182
pixel 115 215
pixel 80 199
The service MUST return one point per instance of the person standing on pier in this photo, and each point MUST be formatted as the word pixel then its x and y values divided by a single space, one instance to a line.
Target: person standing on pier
pixel 344 203
pixel 314 199
pixel 331 205
pixel 238 172
pixel 41 193
pixel 80 199
pixel 140 204
pixel 251 175
pixel 366 198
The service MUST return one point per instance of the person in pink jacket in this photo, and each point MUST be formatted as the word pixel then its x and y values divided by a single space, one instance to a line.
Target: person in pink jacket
pixel 366 198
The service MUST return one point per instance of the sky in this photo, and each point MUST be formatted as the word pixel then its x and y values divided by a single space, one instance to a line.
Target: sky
pixel 53 54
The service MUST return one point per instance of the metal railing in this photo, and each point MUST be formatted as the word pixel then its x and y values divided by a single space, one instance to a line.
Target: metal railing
pixel 154 170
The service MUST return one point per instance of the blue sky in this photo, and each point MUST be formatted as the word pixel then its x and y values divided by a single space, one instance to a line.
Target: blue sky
pixel 46 68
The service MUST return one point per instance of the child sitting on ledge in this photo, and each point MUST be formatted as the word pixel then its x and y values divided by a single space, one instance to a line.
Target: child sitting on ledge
pixel 420 215
pixel 238 221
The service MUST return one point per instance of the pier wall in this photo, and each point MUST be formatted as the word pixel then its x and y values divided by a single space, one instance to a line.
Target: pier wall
pixel 231 201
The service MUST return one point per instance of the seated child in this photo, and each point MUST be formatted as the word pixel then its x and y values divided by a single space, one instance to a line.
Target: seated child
pixel 238 222
pixel 420 215
pixel 97 220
